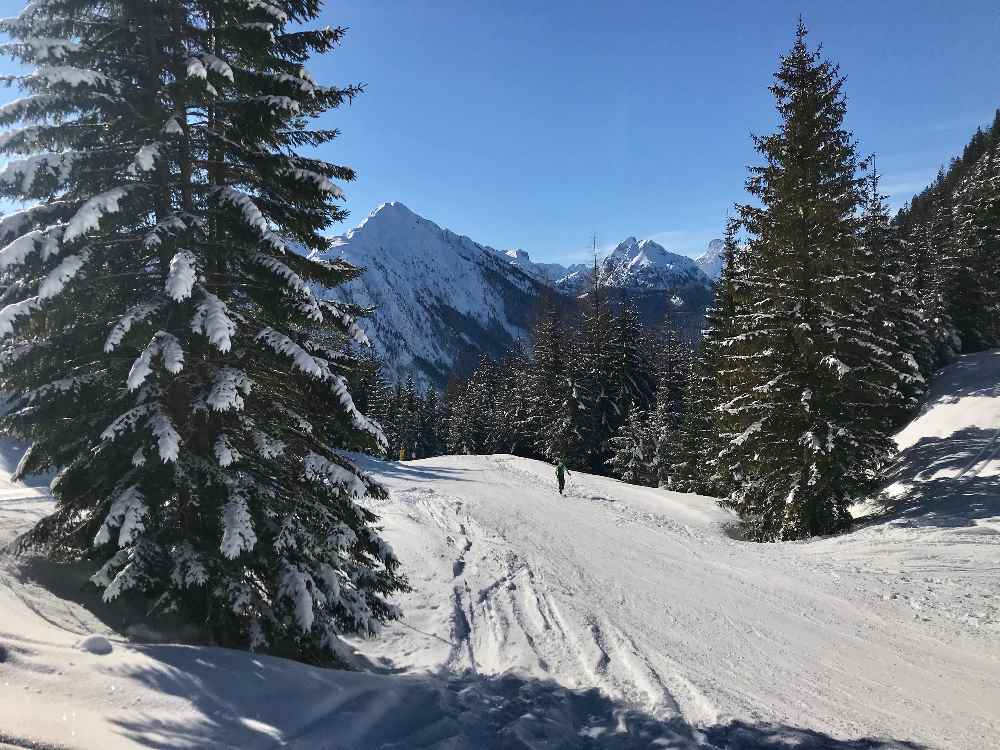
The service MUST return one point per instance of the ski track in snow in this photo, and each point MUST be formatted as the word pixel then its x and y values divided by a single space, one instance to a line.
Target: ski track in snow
pixel 614 616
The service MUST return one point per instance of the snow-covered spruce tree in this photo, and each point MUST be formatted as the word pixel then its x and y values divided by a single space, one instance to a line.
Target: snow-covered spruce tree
pixel 632 450
pixel 158 332
pixel 975 295
pixel 806 412
pixel 558 418
pixel 631 355
pixel 898 343
pixel 673 370
pixel 716 370
pixel 596 384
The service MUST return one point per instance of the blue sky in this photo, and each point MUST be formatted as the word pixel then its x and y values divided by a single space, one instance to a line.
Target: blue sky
pixel 537 124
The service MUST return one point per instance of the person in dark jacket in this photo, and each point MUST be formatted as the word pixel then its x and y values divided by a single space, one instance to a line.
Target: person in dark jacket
pixel 561 472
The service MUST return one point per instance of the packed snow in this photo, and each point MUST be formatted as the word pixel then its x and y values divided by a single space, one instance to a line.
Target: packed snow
pixel 615 616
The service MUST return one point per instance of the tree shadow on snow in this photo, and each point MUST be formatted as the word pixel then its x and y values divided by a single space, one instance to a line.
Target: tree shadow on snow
pixel 974 375
pixel 936 482
pixel 242 700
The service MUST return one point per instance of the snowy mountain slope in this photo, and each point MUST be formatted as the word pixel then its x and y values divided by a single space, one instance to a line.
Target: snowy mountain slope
pixel 547 273
pixel 614 617
pixel 440 298
pixel 711 261
pixel 638 265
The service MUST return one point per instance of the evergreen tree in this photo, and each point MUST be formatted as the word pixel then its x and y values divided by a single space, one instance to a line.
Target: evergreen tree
pixel 672 378
pixel 632 447
pixel 596 383
pixel 716 373
pixel 899 342
pixel 808 436
pixel 161 338
pixel 975 298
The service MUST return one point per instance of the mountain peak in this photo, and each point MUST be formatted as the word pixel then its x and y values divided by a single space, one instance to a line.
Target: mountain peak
pixel 712 260
pixel 392 210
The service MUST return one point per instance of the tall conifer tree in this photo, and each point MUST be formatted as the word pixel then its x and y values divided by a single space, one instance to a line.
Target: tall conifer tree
pixel 162 342
pixel 807 441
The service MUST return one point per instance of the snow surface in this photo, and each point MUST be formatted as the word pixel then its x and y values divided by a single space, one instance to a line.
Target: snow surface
pixel 616 616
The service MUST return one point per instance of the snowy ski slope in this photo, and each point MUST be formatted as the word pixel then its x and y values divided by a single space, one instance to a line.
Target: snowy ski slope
pixel 616 616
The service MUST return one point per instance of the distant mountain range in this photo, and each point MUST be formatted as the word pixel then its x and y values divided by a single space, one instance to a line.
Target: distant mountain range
pixel 441 300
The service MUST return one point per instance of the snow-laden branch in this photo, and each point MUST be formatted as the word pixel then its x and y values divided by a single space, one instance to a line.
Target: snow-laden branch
pixel 88 218
pixel 135 315
pixel 181 276
pixel 212 319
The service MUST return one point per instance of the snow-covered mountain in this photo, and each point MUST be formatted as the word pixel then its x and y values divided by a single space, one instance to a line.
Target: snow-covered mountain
pixel 440 298
pixel 547 273
pixel 711 261
pixel 638 265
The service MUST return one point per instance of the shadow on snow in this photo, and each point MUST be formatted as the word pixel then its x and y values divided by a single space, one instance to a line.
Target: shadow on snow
pixel 252 702
pixel 938 482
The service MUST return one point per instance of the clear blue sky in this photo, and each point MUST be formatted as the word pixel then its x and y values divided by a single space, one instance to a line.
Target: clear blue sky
pixel 536 123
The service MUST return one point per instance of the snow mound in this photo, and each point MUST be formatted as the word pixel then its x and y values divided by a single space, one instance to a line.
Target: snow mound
pixel 96 644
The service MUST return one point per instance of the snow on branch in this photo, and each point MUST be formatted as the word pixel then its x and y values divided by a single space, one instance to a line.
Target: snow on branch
pixel 162 343
pixel 167 226
pixel 276 102
pixel 42 49
pixel 296 585
pixel 89 216
pixel 168 440
pixel 251 215
pixel 135 315
pixel 745 435
pixel 319 469
pixel 21 174
pixel 836 365
pixel 228 390
pixel 53 284
pixel 321 182
pixel 211 318
pixel 172 127
pixel 181 276
pixel 267 446
pixel 43 241
pixel 225 453
pixel 145 159
pixel 308 304
pixel 347 322
pixel 127 511
pixel 53 75
pixel 273 11
pixel 237 527
pixel 125 422
pixel 199 67
pixel 15 310
pixel 301 359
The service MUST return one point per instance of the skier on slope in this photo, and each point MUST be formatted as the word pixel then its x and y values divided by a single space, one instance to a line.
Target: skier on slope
pixel 561 472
